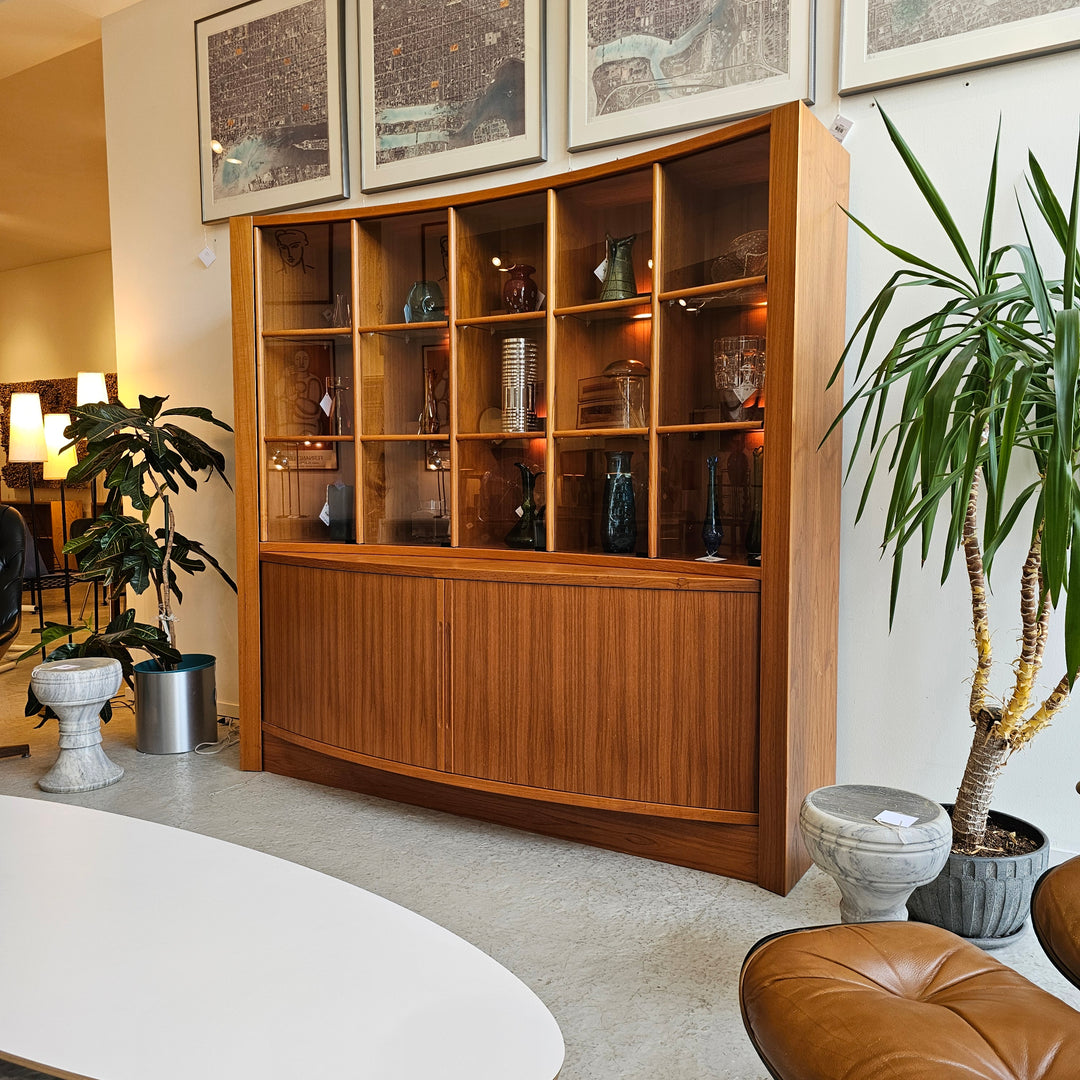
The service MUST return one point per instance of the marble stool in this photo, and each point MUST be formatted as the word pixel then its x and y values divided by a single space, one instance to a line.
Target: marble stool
pixel 875 865
pixel 75 690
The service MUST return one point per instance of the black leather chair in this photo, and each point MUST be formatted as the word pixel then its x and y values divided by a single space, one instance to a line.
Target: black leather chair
pixel 12 555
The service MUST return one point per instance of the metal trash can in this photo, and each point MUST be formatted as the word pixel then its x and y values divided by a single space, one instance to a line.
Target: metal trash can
pixel 175 711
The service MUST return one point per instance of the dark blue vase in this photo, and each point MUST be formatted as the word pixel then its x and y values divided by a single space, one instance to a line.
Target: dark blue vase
pixel 619 526
pixel 712 532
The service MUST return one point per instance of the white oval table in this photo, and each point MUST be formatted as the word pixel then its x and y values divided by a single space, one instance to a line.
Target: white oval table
pixel 130 949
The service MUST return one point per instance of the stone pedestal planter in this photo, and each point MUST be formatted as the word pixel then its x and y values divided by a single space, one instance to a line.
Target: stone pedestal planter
pixel 876 866
pixel 75 690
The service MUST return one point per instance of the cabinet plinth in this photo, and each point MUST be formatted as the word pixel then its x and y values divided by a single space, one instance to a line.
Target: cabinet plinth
pixel 472 565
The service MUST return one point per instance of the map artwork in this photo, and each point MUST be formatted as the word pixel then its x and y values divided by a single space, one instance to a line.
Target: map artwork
pixel 893 24
pixel 268 101
pixel 654 51
pixel 447 74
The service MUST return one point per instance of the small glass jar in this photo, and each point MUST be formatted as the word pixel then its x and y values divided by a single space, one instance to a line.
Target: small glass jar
pixel 631 378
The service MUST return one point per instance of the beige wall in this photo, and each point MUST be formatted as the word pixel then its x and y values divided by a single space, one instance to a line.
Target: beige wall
pixel 902 696
pixel 56 318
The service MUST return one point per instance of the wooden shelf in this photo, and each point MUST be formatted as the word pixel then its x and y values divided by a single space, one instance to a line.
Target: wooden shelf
pixel 675 708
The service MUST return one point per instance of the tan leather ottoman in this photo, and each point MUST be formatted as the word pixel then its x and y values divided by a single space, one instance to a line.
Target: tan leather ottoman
pixel 1055 914
pixel 900 1001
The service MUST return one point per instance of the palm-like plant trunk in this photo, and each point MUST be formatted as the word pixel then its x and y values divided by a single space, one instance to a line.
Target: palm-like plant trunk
pixel 988 754
pixel 998 732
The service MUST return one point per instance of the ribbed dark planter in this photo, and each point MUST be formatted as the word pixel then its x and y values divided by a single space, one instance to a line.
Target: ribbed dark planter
pixel 984 898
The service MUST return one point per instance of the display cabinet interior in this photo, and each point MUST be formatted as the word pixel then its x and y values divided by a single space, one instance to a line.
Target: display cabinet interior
pixel 589 213
pixel 582 467
pixel 303 269
pixel 395 253
pixel 709 202
pixel 585 345
pixel 406 381
pixel 480 372
pixel 406 492
pixel 694 334
pixel 684 489
pixel 491 491
pixel 492 239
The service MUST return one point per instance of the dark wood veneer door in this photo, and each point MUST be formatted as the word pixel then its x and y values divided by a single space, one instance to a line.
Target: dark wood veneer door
pixel 642 694
pixel 351 660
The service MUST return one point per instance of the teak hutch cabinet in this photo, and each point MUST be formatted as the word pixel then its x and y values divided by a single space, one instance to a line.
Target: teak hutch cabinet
pixel 411 625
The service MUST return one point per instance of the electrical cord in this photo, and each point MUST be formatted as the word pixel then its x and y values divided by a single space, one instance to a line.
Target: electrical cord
pixel 230 738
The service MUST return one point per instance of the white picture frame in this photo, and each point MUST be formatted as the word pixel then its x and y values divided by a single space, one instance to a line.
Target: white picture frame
pixel 863 68
pixel 248 165
pixel 506 81
pixel 676 108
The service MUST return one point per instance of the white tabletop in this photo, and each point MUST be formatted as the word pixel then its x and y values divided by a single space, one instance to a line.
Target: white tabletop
pixel 131 950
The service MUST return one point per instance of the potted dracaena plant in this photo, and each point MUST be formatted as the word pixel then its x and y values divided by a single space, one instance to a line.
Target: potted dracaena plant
pixel 974 412
pixel 145 456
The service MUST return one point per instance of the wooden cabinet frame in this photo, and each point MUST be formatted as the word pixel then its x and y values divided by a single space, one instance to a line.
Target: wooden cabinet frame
pixel 516 742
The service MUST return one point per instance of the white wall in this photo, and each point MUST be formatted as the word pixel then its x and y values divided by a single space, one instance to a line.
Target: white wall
pixel 902 702
pixel 56 318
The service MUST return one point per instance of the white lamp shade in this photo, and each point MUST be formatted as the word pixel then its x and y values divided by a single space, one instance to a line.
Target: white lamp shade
pixel 26 438
pixel 90 388
pixel 59 462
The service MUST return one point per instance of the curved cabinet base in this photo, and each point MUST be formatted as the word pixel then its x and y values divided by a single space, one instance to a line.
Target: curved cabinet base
pixel 730 850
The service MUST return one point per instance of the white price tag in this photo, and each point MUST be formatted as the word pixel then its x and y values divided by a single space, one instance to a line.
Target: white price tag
pixel 539 301
pixel 519 512
pixel 324 514
pixel 207 256
pixel 891 817
pixel 326 404
pixel 601 270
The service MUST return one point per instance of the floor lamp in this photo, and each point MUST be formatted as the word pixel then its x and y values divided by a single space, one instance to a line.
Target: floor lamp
pixel 26 443
pixel 90 389
pixel 62 457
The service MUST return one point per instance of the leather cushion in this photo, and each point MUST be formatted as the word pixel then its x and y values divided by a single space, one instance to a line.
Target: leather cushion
pixel 1055 913
pixel 903 1001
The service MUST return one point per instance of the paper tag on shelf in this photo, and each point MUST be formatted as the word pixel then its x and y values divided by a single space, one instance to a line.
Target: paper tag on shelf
pixel 601 270
pixel 891 817
pixel 326 404
pixel 324 514
pixel 519 512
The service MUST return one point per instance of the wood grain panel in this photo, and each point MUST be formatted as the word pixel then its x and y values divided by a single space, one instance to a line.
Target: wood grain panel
pixel 801 495
pixel 730 850
pixel 647 695
pixel 245 412
pixel 352 660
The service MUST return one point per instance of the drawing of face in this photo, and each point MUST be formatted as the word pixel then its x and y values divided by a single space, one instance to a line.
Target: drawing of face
pixel 291 244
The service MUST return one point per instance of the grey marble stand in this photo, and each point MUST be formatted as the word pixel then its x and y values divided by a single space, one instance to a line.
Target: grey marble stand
pixel 876 866
pixel 75 690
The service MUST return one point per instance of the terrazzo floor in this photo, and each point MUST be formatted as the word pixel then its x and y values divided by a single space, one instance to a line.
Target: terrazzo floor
pixel 638 961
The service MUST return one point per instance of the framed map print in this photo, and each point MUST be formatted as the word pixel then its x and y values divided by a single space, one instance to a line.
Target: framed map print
pixel 449 88
pixel 883 42
pixel 270 116
pixel 641 69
